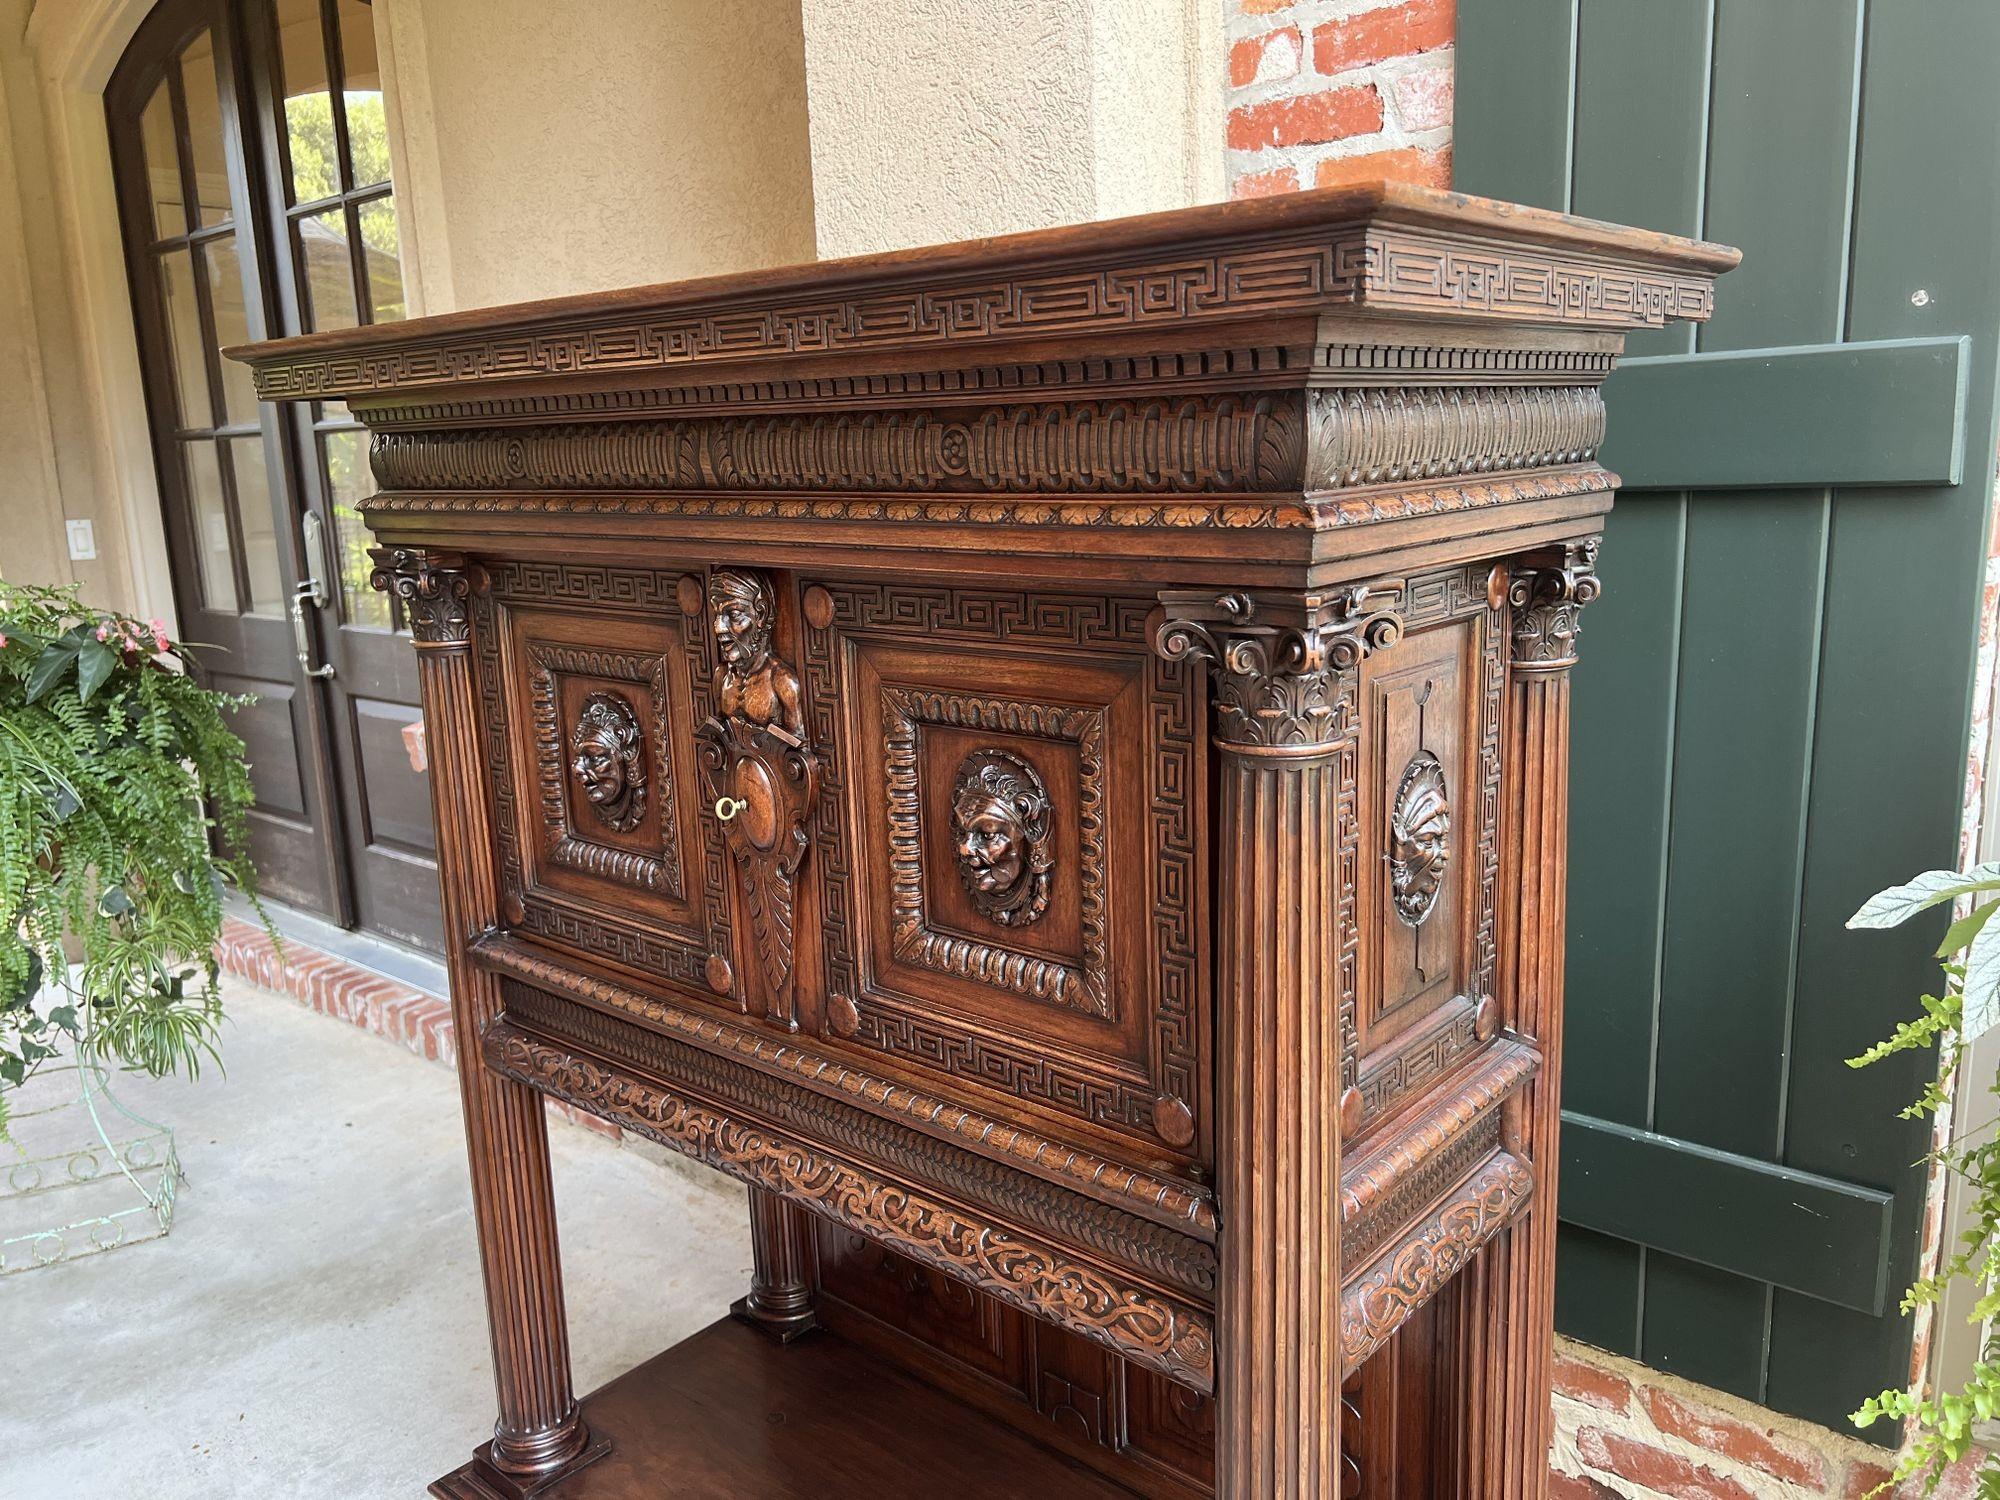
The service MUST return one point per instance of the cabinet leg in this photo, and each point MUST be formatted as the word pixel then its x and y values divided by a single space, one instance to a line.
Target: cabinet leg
pixel 540 1435
pixel 783 1269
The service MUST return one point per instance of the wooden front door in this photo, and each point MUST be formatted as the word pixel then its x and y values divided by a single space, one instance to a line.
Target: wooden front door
pixel 250 146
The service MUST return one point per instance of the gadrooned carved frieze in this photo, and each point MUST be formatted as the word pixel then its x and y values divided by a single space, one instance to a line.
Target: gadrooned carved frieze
pixel 760 769
pixel 608 759
pixel 433 590
pixel 1282 668
pixel 1547 601
pixel 1001 836
pixel 1362 435
pixel 1183 444
pixel 1419 838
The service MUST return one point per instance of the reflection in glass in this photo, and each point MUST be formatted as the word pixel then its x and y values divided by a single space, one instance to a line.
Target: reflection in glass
pixel 258 525
pixel 207 510
pixel 361 83
pixel 349 482
pixel 163 163
pixel 232 326
pixel 204 122
pixel 329 269
pixel 308 106
pixel 383 253
pixel 184 339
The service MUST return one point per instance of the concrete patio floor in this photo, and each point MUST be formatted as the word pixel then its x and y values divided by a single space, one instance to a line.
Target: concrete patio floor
pixel 314 1324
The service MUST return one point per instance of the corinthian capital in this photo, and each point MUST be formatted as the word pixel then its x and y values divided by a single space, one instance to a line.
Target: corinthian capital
pixel 1547 600
pixel 1283 666
pixel 434 588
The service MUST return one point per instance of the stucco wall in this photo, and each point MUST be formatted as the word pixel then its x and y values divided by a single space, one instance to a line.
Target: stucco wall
pixel 953 119
pixel 49 462
pixel 545 149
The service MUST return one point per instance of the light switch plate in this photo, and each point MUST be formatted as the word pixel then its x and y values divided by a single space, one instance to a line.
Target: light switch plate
pixel 82 541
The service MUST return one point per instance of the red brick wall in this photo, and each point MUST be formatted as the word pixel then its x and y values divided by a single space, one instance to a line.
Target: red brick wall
pixel 1323 92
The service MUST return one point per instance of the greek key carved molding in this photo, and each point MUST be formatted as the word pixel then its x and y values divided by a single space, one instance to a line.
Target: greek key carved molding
pixel 1360 435
pixel 1412 1270
pixel 1282 669
pixel 1309 268
pixel 433 589
pixel 1547 602
pixel 1085 986
pixel 1165 1200
pixel 1175 1339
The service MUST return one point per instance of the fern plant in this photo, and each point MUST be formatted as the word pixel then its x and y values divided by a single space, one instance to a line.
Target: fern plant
pixel 1940 1425
pixel 122 801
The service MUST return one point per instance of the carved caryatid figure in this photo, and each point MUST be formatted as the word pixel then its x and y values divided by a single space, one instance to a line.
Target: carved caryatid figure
pixel 1000 833
pixel 761 771
pixel 609 751
pixel 756 686
pixel 1419 838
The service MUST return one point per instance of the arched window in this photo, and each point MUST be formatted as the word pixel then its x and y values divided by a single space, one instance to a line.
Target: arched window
pixel 250 143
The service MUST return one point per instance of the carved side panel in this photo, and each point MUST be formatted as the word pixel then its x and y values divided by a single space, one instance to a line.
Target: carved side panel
pixel 1426 840
pixel 1020 777
pixel 600 843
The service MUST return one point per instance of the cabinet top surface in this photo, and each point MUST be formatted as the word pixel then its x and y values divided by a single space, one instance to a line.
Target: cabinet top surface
pixel 1173 279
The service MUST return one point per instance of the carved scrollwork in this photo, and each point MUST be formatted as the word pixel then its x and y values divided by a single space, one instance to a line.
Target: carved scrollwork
pixel 609 759
pixel 434 590
pixel 1282 669
pixel 1000 833
pixel 762 773
pixel 1419 838
pixel 1547 602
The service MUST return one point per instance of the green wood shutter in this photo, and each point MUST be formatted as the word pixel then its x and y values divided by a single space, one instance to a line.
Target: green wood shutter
pixel 1772 715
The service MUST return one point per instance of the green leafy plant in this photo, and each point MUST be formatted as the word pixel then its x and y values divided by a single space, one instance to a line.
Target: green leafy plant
pixel 122 799
pixel 1940 1426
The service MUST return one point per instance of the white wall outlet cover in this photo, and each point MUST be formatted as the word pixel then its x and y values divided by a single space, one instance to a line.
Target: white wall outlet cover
pixel 82 541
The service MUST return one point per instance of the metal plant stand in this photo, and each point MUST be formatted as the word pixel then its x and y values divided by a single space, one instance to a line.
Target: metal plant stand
pixel 77 1153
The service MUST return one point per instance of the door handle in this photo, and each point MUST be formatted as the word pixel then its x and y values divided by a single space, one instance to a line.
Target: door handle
pixel 312 590
pixel 302 632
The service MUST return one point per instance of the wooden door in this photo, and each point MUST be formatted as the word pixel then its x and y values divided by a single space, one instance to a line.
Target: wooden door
pixel 251 154
pixel 1772 714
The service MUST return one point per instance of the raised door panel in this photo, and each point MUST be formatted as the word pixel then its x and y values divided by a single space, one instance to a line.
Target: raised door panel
pixel 1006 851
pixel 593 679
pixel 1427 841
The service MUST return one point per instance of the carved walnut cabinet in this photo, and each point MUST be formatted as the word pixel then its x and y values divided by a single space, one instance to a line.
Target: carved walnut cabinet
pixel 1045 758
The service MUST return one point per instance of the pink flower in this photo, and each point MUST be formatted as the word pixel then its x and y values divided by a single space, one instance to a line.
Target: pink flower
pixel 3 640
pixel 159 635
pixel 103 632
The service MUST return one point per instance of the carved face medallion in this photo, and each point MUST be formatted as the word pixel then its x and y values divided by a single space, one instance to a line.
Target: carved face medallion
pixel 739 607
pixel 609 760
pixel 1419 838
pixel 1000 833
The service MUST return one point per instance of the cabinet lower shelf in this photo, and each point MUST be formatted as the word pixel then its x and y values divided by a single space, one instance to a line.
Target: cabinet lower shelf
pixel 730 1414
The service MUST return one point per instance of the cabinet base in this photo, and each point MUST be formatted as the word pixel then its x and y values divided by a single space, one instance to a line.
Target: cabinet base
pixel 730 1414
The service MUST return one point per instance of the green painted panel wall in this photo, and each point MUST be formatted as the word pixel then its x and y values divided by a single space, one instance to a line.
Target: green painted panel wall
pixel 1772 714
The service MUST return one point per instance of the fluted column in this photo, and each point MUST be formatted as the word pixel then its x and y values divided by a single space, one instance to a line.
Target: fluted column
pixel 782 1262
pixel 1502 1324
pixel 540 1434
pixel 1284 673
